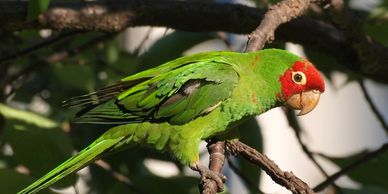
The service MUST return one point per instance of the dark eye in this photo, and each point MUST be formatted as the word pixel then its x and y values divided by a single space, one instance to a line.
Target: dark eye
pixel 299 78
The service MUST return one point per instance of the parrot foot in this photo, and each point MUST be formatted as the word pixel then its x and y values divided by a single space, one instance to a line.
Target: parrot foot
pixel 209 175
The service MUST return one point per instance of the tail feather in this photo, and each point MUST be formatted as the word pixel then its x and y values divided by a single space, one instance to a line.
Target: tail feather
pixel 107 113
pixel 101 95
pixel 83 158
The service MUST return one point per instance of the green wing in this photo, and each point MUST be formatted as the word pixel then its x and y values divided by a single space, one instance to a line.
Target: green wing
pixel 176 92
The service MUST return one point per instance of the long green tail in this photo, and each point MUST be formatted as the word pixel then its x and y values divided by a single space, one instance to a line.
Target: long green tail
pixel 83 158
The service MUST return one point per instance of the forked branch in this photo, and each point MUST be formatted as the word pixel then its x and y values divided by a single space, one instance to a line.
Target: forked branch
pixel 285 179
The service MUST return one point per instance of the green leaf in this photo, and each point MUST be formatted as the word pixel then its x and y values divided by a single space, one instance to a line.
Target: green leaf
pixel 75 76
pixel 27 117
pixel 12 182
pixel 36 7
pixel 251 135
pixel 365 190
pixel 178 184
pixel 375 25
pixel 273 2
pixel 37 142
pixel 112 50
pixel 377 30
pixel 171 46
pixel 103 182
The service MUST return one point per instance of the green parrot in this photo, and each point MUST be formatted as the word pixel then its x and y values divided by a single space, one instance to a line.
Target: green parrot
pixel 174 106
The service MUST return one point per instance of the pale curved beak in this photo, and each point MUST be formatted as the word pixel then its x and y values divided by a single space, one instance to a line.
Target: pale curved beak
pixel 305 101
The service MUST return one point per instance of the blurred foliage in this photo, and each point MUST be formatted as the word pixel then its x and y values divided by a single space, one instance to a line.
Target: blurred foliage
pixel 251 135
pixel 376 25
pixel 365 190
pixel 36 7
pixel 39 141
pixel 371 173
pixel 36 133
pixel 25 132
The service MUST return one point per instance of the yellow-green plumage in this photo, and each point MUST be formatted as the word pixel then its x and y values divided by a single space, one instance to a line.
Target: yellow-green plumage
pixel 176 105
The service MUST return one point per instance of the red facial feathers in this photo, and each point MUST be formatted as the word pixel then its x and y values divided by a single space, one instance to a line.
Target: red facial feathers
pixel 301 77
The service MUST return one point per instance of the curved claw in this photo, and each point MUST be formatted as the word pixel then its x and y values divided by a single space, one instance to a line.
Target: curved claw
pixel 305 101
pixel 208 175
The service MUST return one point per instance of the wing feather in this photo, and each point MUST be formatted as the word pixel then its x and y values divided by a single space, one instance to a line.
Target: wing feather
pixel 177 94
pixel 101 95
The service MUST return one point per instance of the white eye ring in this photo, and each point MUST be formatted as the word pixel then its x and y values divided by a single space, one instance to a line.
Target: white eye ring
pixel 299 78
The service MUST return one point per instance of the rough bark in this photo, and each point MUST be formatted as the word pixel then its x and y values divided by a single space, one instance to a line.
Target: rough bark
pixel 116 15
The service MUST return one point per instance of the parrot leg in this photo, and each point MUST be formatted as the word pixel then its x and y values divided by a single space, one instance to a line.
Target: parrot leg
pixel 207 174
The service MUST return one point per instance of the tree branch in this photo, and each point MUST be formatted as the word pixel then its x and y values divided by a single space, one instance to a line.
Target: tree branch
pixel 121 178
pixel 372 106
pixel 371 54
pixel 294 124
pixel 280 13
pixel 194 16
pixel 53 58
pixel 285 179
pixel 367 157
pixel 37 46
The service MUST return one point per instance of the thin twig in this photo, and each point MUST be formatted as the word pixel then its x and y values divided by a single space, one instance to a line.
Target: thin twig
pixel 372 106
pixel 119 176
pixel 365 46
pixel 143 41
pixel 294 124
pixel 55 57
pixel 245 179
pixel 280 13
pixel 76 190
pixel 194 16
pixel 352 166
pixel 61 55
pixel 285 179
pixel 42 44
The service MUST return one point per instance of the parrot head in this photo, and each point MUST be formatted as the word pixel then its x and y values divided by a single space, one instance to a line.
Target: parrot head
pixel 301 86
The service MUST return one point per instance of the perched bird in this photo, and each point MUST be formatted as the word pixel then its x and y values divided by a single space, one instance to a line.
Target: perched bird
pixel 174 106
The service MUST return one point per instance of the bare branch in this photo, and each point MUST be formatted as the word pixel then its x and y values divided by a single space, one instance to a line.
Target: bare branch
pixel 118 176
pixel 285 179
pixel 280 13
pixel 294 124
pixel 372 55
pixel 120 14
pixel 194 16
pixel 372 106
pixel 55 57
pixel 367 157
pixel 39 45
